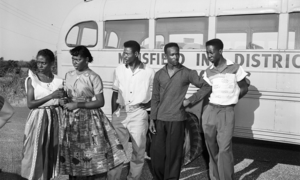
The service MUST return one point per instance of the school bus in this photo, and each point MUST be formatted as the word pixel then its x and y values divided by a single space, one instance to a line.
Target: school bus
pixel 262 36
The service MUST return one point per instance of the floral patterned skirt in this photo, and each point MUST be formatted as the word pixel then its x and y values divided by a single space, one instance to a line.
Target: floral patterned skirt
pixel 90 144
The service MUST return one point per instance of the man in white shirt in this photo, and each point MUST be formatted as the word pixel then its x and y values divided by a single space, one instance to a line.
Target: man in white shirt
pixel 131 97
pixel 228 81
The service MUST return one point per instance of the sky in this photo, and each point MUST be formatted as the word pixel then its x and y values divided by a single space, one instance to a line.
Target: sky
pixel 26 26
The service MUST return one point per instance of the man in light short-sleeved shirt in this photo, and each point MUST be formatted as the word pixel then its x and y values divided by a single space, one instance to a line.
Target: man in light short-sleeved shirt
pixel 228 81
pixel 131 97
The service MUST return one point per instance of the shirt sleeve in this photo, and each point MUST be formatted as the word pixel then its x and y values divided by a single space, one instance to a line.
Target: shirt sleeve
pixel 152 80
pixel 155 97
pixel 206 78
pixel 204 90
pixel 240 74
pixel 115 82
pixel 97 85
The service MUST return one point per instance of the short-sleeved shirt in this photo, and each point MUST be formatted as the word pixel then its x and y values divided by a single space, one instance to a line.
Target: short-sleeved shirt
pixel 225 90
pixel 1 102
pixel 133 87
pixel 87 84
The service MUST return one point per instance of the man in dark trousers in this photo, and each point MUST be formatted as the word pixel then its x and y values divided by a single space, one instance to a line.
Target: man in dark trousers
pixel 228 81
pixel 167 118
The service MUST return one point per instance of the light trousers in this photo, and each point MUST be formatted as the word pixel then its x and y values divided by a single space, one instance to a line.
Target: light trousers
pixel 134 125
pixel 218 126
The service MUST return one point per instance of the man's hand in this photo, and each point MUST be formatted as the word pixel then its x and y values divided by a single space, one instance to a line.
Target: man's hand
pixel 185 103
pixel 152 127
pixel 145 105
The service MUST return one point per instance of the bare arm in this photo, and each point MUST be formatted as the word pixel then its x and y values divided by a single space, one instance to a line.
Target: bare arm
pixel 98 103
pixel 35 103
pixel 6 113
pixel 243 87
pixel 114 104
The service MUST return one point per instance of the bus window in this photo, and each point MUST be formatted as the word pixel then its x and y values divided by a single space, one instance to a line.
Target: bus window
pixel 266 40
pixel 159 42
pixel 294 31
pixel 239 41
pixel 248 31
pixel 89 37
pixel 189 33
pixel 84 33
pixel 72 36
pixel 126 30
pixel 112 40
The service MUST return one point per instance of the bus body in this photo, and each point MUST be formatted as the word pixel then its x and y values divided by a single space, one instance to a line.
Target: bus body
pixel 262 36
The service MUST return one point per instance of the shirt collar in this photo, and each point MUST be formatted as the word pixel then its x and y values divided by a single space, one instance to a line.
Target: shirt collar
pixel 141 65
pixel 180 66
pixel 228 63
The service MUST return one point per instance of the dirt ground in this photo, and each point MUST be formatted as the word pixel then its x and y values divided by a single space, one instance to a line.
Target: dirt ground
pixel 253 159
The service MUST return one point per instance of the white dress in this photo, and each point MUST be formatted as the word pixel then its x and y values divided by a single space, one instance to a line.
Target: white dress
pixel 41 136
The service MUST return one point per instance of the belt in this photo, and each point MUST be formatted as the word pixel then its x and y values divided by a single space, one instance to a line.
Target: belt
pixel 48 107
pixel 82 99
pixel 130 107
pixel 221 106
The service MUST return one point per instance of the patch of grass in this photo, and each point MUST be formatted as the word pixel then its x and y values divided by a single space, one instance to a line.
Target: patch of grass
pixel 12 87
pixel 11 143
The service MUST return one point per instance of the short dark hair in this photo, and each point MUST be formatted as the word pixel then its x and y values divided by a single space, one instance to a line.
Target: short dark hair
pixel 171 44
pixel 135 46
pixel 81 51
pixel 47 54
pixel 217 43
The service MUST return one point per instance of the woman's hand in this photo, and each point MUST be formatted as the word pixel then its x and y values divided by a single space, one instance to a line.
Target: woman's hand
pixel 63 101
pixel 71 106
pixel 59 93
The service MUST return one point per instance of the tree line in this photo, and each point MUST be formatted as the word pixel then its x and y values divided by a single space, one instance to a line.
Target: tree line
pixel 13 66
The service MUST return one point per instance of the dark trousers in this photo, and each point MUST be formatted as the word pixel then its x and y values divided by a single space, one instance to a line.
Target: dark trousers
pixel 218 126
pixel 167 149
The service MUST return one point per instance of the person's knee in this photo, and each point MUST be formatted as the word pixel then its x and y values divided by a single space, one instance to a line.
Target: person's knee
pixel 224 150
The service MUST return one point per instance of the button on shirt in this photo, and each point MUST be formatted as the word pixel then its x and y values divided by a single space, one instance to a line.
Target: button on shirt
pixel 225 90
pixel 133 87
pixel 169 93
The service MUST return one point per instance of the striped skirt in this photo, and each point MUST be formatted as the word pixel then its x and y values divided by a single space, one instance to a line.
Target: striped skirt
pixel 41 143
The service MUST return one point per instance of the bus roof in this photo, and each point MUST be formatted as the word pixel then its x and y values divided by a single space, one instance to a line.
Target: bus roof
pixel 104 10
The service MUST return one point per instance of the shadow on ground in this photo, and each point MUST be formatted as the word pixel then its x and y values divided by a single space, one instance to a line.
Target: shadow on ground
pixel 10 176
pixel 256 157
